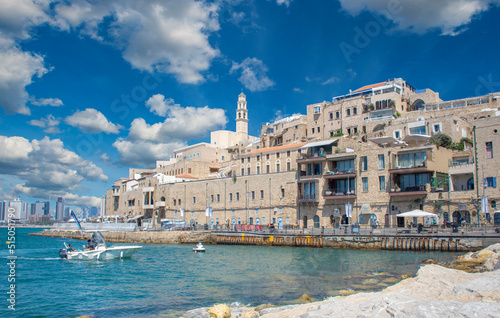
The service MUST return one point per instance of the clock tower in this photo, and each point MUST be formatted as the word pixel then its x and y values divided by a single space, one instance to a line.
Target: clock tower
pixel 242 118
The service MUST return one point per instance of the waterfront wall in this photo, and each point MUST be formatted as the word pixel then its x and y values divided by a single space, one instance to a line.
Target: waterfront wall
pixel 442 243
pixel 125 227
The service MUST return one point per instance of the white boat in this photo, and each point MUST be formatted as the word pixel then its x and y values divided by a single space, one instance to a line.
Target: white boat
pixel 199 248
pixel 100 250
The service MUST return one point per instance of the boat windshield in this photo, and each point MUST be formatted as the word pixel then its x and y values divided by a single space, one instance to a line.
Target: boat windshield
pixel 99 239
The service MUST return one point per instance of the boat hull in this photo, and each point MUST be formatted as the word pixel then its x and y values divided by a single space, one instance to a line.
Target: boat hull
pixel 107 253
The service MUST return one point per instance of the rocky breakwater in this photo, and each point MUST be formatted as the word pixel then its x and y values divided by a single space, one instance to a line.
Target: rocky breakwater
pixel 163 237
pixel 436 291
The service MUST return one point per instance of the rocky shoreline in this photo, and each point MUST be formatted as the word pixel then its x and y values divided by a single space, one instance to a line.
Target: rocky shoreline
pixel 469 286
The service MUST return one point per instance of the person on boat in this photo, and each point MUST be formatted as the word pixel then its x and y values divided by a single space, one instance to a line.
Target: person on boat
pixel 90 245
pixel 71 248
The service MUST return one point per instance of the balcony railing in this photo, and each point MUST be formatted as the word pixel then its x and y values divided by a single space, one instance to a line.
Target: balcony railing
pixel 339 194
pixel 308 197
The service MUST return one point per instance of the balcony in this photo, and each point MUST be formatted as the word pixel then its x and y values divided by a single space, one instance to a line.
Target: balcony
pixel 304 198
pixel 351 173
pixel 333 194
pixel 461 168
pixel 410 169
pixel 407 191
pixel 308 158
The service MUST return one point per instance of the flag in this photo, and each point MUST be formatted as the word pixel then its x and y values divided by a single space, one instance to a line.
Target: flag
pixel 211 212
pixel 207 211
pixel 182 212
pixel 348 210
pixel 484 205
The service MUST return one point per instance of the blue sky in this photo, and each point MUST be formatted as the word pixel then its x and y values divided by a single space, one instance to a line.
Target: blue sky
pixel 91 88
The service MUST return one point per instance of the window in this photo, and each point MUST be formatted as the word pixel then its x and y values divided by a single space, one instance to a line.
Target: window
pixel 218 197
pixel 345 166
pixel 175 201
pixel 364 163
pixel 268 168
pixel 233 212
pixel 337 115
pixel 212 198
pixel 417 130
pixel 248 171
pixel 277 167
pixel 175 213
pixel 258 170
pixel 489 150
pixel 288 165
pixel 242 160
pixel 397 134
pixel 179 202
pixel 319 130
pixel 312 130
pixel 381 162
pixel 282 193
pixel 331 116
pixel 242 171
pixel 267 156
pixel 287 220
pixel 222 160
pixel 317 109
pixel 381 180
pixel 261 194
pixel 237 196
pixel 253 195
pixel 348 112
pixel 230 197
pixel 288 153
pixel 411 160
pixel 436 128
pixel 256 211
pixel 258 158
pixel 365 184
pixel 277 155
pixel 354 111
pixel 263 220
pixel 280 210
pixel 309 191
pixel 491 182
pixel 194 200
pixel 192 213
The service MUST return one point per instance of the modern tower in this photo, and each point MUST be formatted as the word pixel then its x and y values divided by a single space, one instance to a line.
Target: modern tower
pixel 242 118
pixel 59 209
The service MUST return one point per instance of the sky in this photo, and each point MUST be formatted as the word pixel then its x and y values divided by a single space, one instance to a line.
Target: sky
pixel 89 89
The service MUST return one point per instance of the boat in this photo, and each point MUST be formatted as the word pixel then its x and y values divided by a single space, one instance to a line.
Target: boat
pixel 97 248
pixel 100 250
pixel 199 248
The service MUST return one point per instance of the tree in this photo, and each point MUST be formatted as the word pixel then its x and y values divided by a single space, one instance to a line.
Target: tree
pixel 442 140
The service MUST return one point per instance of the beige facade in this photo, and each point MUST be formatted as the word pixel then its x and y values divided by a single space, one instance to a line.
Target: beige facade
pixel 383 163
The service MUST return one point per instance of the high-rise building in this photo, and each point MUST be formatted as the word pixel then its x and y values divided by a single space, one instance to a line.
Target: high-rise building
pixel 40 208
pixel 3 209
pixel 66 212
pixel 59 209
pixel 17 205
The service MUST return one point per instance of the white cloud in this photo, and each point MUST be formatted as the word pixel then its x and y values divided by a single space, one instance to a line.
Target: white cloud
pixel 168 36
pixel 45 166
pixel 17 69
pixel 105 158
pixel 70 198
pixel 331 80
pixel 56 102
pixel 182 123
pixel 451 17
pixel 142 152
pixel 91 120
pixel 49 123
pixel 285 2
pixel 17 17
pixel 253 74
pixel 297 90
pixel 147 143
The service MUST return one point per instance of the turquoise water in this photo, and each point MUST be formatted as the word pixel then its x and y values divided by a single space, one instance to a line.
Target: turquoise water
pixel 164 280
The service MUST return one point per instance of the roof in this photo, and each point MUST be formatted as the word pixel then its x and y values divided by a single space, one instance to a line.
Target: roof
pixel 185 175
pixel 275 148
pixel 364 88
pixel 319 143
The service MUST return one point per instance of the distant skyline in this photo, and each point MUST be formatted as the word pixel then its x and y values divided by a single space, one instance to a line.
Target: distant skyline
pixel 89 89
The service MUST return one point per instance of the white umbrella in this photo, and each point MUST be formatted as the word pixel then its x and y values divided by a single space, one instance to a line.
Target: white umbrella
pixel 416 213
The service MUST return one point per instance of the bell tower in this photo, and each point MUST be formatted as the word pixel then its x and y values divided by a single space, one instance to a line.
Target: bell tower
pixel 242 117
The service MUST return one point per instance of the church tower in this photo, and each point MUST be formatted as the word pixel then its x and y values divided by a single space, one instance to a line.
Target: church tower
pixel 242 118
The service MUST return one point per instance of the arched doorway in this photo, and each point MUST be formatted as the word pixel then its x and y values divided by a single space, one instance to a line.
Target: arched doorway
pixel 305 221
pixel 257 221
pixel 316 221
pixel 280 223
pixel 251 221
pixel 417 104
pixel 233 223
pixel 457 216
pixel 373 220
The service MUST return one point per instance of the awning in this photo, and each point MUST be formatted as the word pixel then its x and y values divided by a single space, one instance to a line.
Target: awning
pixel 135 218
pixel 416 138
pixel 416 214
pixel 319 143
pixel 384 141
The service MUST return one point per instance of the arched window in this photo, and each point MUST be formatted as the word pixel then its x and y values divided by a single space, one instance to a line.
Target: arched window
pixel 316 221
pixel 289 164
pixel 446 216
pixel 470 184
pixel 278 166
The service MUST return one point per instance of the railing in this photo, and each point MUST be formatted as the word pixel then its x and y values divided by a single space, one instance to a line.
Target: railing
pixel 307 196
pixel 335 192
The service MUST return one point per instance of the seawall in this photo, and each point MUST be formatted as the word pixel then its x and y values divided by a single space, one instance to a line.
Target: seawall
pixel 410 242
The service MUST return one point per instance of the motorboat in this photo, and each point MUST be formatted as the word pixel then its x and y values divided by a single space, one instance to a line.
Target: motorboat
pixel 199 248
pixel 99 250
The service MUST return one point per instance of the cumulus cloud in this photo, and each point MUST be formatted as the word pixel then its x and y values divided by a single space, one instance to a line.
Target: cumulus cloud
pixel 168 36
pixel 17 17
pixel 253 74
pixel 17 70
pixel 55 102
pixel 49 124
pixel 147 143
pixel 284 2
pixel 143 152
pixel 69 198
pixel 451 17
pixel 93 121
pixel 45 166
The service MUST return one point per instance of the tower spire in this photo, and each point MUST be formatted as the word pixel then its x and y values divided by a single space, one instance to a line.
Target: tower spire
pixel 242 117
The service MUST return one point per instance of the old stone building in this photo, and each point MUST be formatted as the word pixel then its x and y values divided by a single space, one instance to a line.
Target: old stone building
pixel 364 157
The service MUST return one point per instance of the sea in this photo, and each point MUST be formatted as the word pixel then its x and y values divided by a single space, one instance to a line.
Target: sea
pixel 166 280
